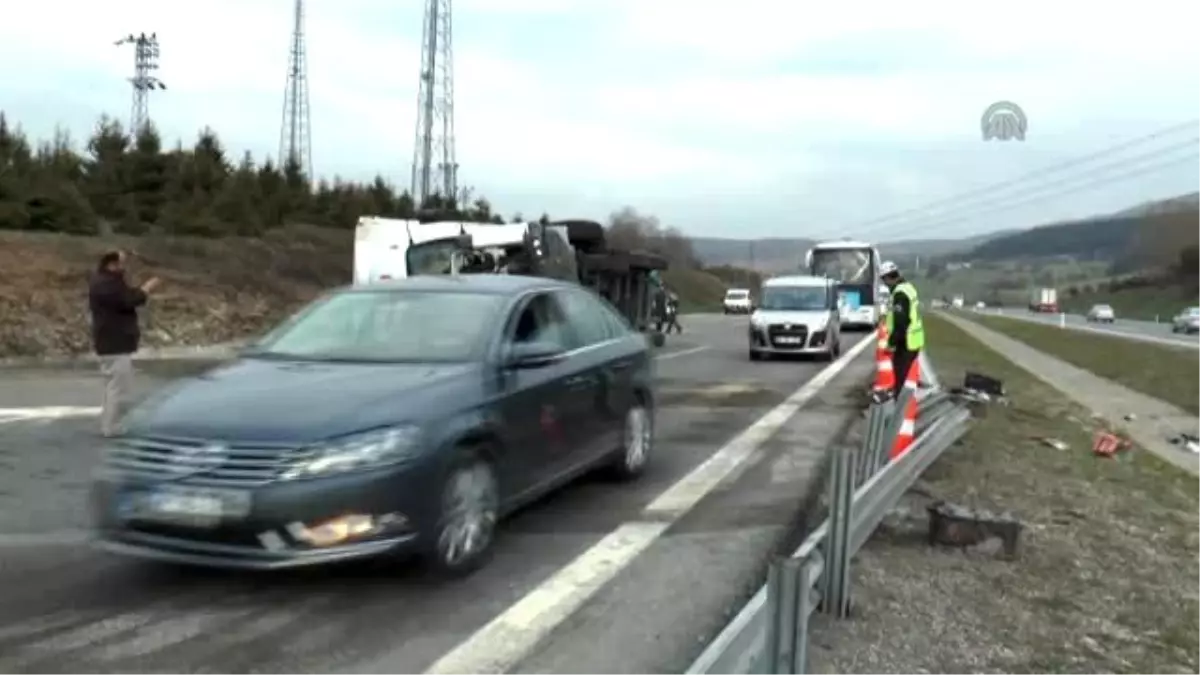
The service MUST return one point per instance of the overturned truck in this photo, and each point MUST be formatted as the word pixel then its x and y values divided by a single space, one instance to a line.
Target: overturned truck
pixel 570 250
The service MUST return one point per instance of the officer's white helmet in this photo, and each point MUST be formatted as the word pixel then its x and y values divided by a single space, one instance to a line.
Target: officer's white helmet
pixel 888 267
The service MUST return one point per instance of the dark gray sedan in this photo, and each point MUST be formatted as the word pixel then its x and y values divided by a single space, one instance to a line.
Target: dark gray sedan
pixel 407 417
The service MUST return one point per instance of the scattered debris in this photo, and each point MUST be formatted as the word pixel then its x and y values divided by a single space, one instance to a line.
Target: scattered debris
pixel 1108 444
pixel 1130 417
pixel 980 389
pixel 973 529
pixel 983 383
pixel 1189 441
pixel 1053 443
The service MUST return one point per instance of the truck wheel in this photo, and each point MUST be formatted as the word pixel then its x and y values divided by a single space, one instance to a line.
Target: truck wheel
pixel 586 236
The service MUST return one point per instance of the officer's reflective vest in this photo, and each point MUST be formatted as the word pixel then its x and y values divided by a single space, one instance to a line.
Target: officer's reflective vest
pixel 915 338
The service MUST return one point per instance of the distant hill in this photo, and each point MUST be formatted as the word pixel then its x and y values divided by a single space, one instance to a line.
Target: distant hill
pixel 1146 235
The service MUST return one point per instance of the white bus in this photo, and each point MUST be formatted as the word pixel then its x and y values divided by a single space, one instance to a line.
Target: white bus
pixel 854 267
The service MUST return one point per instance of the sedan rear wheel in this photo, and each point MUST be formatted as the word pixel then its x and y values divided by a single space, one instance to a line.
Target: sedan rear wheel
pixel 470 510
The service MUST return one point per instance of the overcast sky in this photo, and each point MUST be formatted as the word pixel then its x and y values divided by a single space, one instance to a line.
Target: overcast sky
pixel 722 117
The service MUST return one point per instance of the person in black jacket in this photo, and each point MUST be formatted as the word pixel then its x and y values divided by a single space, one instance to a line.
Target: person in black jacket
pixel 115 333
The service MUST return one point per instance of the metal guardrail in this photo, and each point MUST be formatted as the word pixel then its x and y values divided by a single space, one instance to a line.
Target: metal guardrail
pixel 770 633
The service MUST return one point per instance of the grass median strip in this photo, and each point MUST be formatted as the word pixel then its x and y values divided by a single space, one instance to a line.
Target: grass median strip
pixel 1105 580
pixel 1165 373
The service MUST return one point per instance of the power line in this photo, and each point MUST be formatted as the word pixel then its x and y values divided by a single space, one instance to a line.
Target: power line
pixel 145 62
pixel 1135 172
pixel 986 207
pixel 295 135
pixel 990 189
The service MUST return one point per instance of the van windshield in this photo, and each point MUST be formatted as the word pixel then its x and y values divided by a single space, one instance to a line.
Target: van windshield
pixel 737 295
pixel 795 298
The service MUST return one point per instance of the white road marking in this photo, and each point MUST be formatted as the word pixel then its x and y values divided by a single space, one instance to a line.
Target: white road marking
pixel 510 637
pixel 46 412
pixel 681 352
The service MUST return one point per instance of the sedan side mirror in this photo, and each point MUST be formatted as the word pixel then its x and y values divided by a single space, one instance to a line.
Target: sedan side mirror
pixel 524 355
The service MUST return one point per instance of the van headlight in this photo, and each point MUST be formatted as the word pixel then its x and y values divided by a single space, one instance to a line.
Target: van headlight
pixel 369 450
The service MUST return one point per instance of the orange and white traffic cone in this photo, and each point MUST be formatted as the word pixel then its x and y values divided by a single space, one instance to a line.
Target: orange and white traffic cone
pixel 885 377
pixel 908 427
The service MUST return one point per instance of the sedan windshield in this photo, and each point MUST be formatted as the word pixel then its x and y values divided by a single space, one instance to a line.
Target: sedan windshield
pixel 386 327
pixel 797 298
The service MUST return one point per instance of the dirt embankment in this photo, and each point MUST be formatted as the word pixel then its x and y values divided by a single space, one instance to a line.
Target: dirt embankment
pixel 214 290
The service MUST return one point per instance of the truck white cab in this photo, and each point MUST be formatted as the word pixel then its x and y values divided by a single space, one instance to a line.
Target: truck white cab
pixel 796 315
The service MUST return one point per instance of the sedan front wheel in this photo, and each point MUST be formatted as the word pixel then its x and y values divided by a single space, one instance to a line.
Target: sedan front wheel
pixel 470 510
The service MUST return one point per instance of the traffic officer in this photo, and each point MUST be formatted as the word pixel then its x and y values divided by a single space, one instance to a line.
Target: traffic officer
pixel 906 332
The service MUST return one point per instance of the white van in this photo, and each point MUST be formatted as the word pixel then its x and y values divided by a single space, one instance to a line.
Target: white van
pixel 737 301
pixel 796 315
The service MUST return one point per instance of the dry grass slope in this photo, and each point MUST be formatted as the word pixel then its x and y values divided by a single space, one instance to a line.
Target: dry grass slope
pixel 213 290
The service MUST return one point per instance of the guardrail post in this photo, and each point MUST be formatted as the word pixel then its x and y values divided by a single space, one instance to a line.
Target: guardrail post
pixel 783 591
pixel 835 599
pixel 808 599
pixel 875 444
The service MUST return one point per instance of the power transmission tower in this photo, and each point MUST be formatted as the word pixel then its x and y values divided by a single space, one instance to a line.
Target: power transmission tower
pixel 434 168
pixel 295 138
pixel 145 62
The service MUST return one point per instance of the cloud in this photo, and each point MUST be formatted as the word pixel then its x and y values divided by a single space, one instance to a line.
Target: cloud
pixel 726 118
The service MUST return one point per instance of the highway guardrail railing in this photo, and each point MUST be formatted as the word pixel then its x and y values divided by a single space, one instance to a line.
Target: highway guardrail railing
pixel 770 633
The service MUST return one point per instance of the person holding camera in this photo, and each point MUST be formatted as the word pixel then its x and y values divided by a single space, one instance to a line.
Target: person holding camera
pixel 116 334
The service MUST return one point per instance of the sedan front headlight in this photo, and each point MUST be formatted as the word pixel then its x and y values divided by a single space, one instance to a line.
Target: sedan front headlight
pixel 368 450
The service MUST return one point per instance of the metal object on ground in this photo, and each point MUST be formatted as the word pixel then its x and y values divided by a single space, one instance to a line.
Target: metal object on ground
pixel 770 633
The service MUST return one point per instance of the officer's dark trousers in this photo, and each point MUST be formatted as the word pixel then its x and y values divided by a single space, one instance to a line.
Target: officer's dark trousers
pixel 902 360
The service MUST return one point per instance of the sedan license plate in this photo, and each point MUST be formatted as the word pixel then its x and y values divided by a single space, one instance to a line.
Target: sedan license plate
pixel 196 507
pixel 788 340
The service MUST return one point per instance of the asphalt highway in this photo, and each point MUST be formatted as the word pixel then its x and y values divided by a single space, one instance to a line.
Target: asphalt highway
pixel 1132 329
pixel 602 577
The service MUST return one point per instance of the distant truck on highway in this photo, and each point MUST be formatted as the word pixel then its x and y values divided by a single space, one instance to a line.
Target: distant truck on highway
pixel 1044 300
pixel 958 301
pixel 570 250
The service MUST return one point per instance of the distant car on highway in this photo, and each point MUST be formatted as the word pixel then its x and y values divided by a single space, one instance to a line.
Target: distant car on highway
pixel 1101 314
pixel 397 418
pixel 738 301
pixel 796 315
pixel 1187 321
